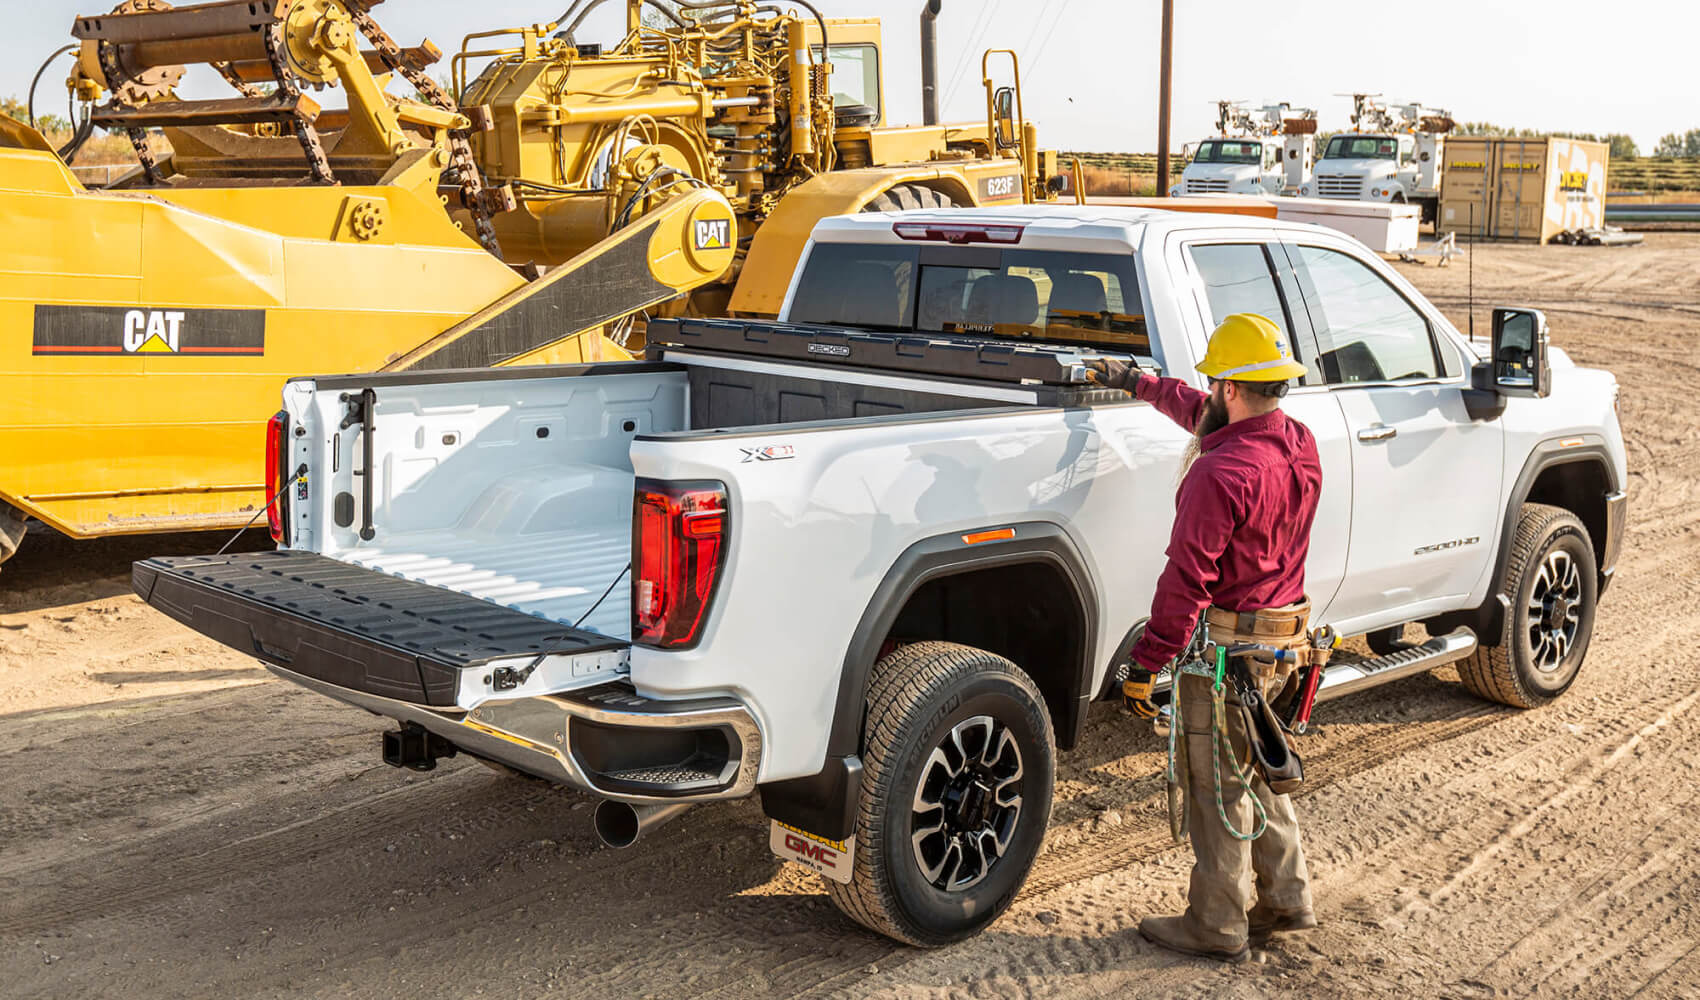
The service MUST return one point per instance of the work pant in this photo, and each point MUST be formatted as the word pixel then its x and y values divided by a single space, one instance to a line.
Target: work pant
pixel 1223 865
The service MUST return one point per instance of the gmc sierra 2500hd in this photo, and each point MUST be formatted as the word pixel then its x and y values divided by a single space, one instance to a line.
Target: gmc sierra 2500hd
pixel 875 559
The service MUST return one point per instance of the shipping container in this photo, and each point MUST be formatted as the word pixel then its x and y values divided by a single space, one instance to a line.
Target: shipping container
pixel 1521 189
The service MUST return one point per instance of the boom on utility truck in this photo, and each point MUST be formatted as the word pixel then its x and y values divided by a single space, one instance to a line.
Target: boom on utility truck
pixel 1268 152
pixel 1385 158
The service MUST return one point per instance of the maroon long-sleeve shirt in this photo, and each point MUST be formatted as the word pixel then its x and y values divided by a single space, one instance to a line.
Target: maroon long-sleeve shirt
pixel 1242 519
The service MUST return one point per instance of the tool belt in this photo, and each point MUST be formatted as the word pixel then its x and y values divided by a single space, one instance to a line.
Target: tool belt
pixel 1283 628
pixel 1270 625
pixel 1255 681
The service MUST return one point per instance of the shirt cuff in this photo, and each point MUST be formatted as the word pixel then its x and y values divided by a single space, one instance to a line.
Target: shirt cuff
pixel 1142 656
pixel 1142 383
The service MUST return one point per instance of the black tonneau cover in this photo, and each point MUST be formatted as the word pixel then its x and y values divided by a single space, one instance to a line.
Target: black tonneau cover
pixel 352 627
pixel 954 355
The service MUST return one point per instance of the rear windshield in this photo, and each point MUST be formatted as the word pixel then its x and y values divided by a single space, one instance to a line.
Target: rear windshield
pixel 1228 151
pixel 1361 147
pixel 1050 295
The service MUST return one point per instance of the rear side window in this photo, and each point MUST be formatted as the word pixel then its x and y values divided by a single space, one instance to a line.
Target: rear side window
pixel 1238 279
pixel 864 285
pixel 1365 330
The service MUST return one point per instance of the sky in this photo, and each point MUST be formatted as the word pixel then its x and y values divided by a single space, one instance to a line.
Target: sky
pixel 1089 67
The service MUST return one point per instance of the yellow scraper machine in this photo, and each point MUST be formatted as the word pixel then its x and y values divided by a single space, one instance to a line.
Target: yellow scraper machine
pixel 529 214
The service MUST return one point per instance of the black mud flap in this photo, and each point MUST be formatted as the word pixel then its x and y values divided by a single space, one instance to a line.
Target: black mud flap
pixel 352 627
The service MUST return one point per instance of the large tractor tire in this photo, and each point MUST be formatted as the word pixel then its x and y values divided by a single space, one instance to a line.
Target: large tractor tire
pixel 959 763
pixel 1553 581
pixel 904 197
pixel 11 531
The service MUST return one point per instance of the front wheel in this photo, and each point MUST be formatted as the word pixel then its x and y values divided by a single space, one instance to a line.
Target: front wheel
pixel 959 762
pixel 1551 577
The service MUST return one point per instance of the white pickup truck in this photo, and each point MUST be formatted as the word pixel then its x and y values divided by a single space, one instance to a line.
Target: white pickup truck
pixel 875 559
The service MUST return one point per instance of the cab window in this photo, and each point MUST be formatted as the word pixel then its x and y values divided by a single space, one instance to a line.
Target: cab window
pixel 1043 294
pixel 852 284
pixel 1058 296
pixel 1238 278
pixel 855 76
pixel 1366 331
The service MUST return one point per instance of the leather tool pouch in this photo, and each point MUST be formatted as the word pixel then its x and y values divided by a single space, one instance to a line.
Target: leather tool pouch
pixel 1277 762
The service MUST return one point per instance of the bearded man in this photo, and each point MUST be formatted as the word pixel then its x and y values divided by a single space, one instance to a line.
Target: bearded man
pixel 1243 516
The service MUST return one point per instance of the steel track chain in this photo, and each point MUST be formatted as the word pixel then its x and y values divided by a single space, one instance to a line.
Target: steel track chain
pixel 473 195
pixel 115 78
pixel 287 85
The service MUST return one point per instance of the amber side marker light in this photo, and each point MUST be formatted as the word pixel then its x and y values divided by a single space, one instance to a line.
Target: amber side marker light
pixel 995 535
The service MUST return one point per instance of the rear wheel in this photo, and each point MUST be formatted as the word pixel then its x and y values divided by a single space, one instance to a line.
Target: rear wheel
pixel 956 793
pixel 1553 583
pixel 905 197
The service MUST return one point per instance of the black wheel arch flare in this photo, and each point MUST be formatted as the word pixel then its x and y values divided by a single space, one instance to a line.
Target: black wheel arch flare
pixel 825 803
pixel 1488 619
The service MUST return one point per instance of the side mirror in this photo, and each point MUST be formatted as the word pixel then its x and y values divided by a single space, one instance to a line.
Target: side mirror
pixel 1003 117
pixel 1520 353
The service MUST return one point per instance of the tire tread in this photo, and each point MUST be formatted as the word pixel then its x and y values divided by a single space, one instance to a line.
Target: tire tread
pixel 1489 672
pixel 898 683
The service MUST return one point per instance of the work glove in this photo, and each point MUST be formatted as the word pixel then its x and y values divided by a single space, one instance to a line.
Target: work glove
pixel 1136 693
pixel 1112 374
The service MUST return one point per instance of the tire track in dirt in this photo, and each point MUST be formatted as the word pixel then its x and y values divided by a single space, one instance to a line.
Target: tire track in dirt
pixel 1129 845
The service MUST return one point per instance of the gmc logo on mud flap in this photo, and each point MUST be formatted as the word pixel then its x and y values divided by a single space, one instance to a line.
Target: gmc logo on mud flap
pixel 119 330
pixel 997 188
pixel 815 852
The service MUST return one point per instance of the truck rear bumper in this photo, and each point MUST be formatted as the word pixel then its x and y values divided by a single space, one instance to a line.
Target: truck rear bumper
pixel 608 740
pixel 413 652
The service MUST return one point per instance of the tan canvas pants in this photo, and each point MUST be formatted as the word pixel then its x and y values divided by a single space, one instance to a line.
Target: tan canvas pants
pixel 1223 868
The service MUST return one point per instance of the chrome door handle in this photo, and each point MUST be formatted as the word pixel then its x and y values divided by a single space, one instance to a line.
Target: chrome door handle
pixel 1380 432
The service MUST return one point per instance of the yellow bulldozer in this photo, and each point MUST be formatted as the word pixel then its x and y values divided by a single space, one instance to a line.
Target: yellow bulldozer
pixel 531 212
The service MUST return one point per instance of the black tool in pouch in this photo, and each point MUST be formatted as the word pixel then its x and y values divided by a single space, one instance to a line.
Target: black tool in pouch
pixel 1274 759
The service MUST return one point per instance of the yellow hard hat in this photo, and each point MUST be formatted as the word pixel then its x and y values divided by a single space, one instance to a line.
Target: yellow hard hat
pixel 1247 347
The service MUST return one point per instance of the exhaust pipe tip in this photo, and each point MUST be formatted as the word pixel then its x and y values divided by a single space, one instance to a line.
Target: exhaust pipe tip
pixel 621 824
pixel 616 823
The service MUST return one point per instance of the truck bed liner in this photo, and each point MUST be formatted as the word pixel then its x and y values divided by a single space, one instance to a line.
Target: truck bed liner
pixel 349 626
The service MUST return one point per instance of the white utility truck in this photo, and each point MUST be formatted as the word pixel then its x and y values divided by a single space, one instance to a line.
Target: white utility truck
pixel 874 561
pixel 1385 157
pixel 1266 152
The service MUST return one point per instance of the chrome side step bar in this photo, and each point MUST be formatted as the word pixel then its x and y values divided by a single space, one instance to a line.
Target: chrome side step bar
pixel 1342 679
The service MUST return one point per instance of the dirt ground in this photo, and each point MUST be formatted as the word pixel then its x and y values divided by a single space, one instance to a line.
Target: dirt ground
pixel 175 822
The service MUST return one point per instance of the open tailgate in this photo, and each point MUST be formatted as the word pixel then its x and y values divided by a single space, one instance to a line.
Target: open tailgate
pixel 348 626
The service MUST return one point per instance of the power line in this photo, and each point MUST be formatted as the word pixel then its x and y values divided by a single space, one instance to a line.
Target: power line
pixel 988 13
pixel 1038 53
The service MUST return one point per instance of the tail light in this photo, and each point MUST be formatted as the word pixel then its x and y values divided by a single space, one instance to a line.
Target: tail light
pixel 971 233
pixel 678 550
pixel 277 443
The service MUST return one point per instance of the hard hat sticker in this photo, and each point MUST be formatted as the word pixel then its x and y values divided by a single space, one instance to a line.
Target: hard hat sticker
pixel 713 234
pixel 121 330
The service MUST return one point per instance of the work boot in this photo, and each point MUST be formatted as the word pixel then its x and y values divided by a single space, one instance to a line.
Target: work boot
pixel 1264 920
pixel 1183 935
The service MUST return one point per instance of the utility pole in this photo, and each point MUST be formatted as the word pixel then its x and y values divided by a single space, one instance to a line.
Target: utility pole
pixel 1167 63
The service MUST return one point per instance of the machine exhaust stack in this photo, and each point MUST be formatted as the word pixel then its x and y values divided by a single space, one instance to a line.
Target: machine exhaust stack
pixel 621 824
pixel 930 63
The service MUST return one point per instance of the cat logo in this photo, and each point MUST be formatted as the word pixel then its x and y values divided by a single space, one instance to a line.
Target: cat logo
pixel 713 234
pixel 123 331
pixel 153 331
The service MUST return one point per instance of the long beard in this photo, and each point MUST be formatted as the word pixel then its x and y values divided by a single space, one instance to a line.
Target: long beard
pixel 1213 419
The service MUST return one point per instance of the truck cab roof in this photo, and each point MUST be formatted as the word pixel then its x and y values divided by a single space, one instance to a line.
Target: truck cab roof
pixel 1090 228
